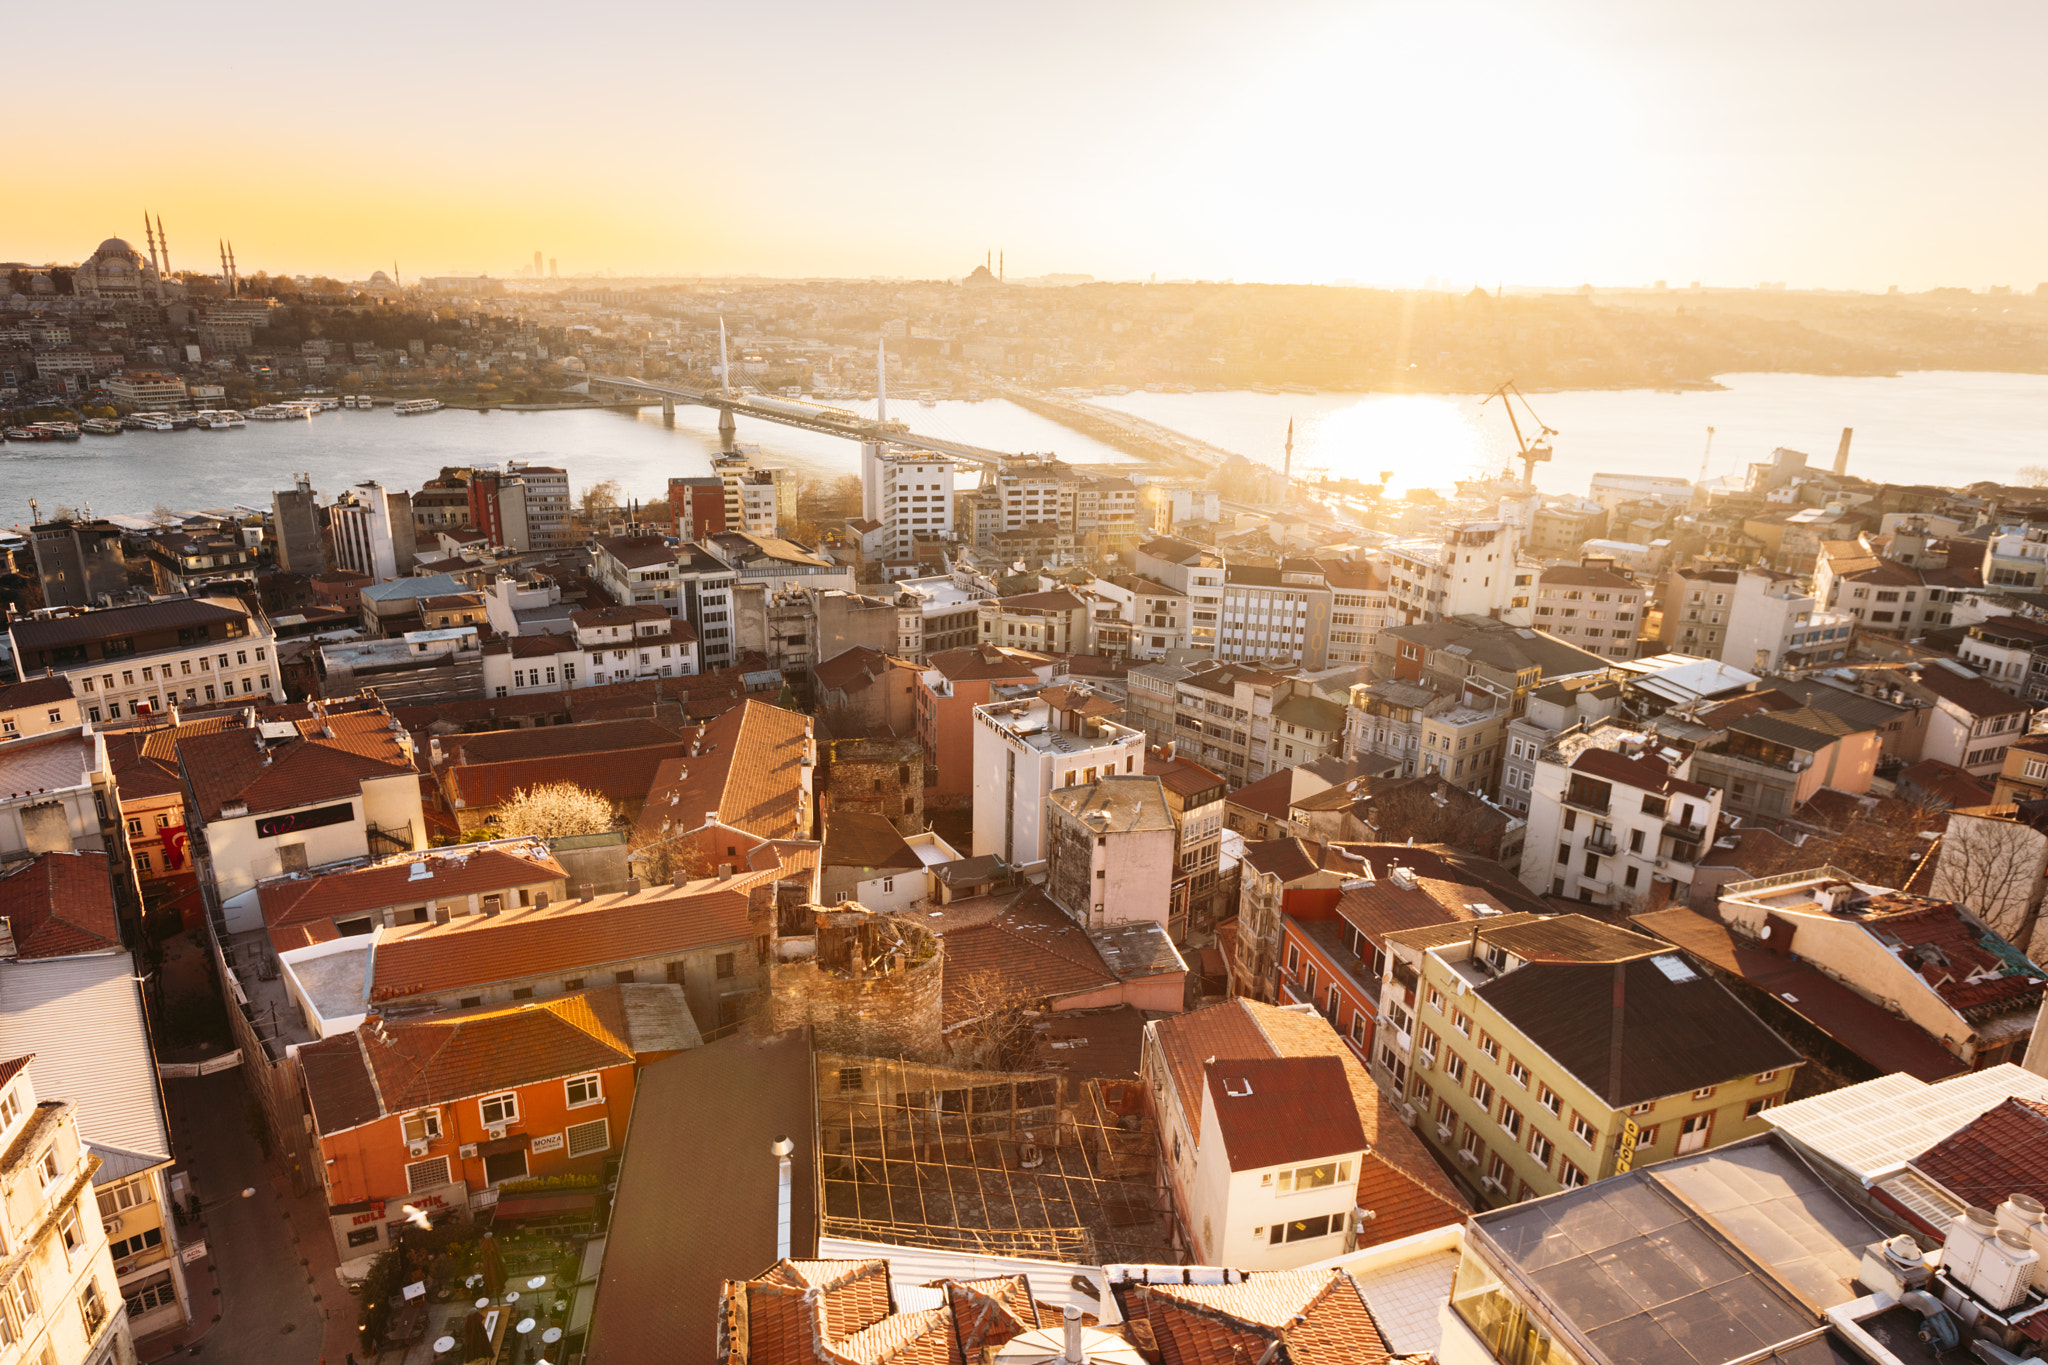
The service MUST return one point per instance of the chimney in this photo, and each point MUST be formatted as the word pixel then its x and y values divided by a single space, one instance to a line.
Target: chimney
pixel 1070 1326
pixel 782 1147
pixel 589 891
pixel 725 872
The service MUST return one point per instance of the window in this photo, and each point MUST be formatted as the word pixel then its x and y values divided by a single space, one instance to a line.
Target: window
pixel 426 1175
pixel 586 1138
pixel 1425 1044
pixel 134 1246
pixel 1454 1066
pixel 1692 1134
pixel 1305 1229
pixel 1765 1077
pixel 1758 1106
pixel 1497 1172
pixel 1583 1130
pixel 1462 1022
pixel 1488 1046
pixel 48 1167
pixel 92 1308
pixel 1436 1000
pixel 1296 1179
pixel 159 1292
pixel 1511 1121
pixel 1547 1097
pixel 19 1299
pixel 1569 1176
pixel 1705 1092
pixel 499 1110
pixel 723 966
pixel 584 1090
pixel 1539 1147
pixel 1645 1107
pixel 71 1230
pixel 1482 1092
pixel 1518 1073
pixel 424 1126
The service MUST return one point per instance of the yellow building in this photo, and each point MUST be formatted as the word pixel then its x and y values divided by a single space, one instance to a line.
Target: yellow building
pixel 1537 1053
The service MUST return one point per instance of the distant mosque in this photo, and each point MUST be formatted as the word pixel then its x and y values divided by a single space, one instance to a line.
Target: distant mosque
pixel 982 275
pixel 117 271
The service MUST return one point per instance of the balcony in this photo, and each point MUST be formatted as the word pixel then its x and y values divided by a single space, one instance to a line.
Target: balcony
pixel 1602 841
pixel 1684 834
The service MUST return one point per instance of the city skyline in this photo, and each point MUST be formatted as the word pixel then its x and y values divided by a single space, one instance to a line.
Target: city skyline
pixel 1473 143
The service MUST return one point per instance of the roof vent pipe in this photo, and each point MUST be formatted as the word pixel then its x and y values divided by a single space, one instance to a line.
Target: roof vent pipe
pixel 782 1147
pixel 1070 1323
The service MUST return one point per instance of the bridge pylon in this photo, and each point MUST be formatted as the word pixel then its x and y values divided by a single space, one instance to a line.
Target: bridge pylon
pixel 668 410
pixel 727 428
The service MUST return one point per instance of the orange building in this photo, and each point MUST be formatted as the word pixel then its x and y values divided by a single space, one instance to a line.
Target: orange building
pixel 951 686
pixel 440 1112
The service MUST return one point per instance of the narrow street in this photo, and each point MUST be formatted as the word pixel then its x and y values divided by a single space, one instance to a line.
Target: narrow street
pixel 264 1300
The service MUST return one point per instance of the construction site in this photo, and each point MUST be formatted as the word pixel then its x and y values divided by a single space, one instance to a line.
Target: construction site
pixel 997 1163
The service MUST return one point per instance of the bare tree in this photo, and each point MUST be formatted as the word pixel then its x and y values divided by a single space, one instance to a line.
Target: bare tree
pixel 1429 810
pixel 554 810
pixel 1991 864
pixel 663 858
pixel 2031 476
pixel 996 1033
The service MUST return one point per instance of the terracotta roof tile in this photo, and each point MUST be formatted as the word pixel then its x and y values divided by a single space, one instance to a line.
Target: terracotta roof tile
pixel 1273 1110
pixel 1029 947
pixel 2001 1152
pixel 414 1063
pixel 1320 1316
pixel 60 905
pixel 749 767
pixel 459 871
pixel 234 765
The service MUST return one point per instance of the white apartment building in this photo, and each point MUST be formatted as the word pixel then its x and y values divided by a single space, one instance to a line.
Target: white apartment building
pixel 1278 614
pixel 1592 606
pixel 1359 607
pixel 547 503
pixel 1026 749
pixel 127 661
pixel 909 492
pixel 60 1304
pixel 939 613
pixel 147 392
pixel 608 645
pixel 1468 570
pixel 1034 489
pixel 1263 1168
pixel 1614 819
pixel 366 537
pixel 1106 514
pixel 1156 613
pixel 1195 572
pixel 1775 623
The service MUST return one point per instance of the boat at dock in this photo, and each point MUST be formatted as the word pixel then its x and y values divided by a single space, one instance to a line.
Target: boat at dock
pixel 100 426
pixel 412 407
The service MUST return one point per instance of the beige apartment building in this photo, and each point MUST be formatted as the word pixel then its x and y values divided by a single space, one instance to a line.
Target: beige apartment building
pixel 1525 1091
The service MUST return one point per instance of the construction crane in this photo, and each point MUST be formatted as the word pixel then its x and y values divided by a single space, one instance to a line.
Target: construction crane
pixel 1527 451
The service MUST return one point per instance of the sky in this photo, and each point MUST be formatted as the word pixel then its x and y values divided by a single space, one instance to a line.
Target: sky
pixel 1823 144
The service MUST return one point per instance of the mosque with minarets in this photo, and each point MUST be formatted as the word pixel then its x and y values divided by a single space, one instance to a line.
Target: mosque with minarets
pixel 117 271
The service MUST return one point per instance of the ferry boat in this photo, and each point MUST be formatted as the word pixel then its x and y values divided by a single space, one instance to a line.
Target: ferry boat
pixel 100 426
pixel 925 400
pixel 25 434
pixel 412 407
pixel 269 412
pixel 184 421
pixel 56 431
pixel 153 421
pixel 228 419
pixel 329 404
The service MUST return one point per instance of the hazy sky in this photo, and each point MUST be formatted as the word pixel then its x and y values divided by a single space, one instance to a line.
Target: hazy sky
pixel 1824 144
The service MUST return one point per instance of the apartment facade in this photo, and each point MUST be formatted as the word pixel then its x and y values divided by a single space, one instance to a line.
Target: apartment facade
pixel 1614 819
pixel 1464 571
pixel 1276 614
pixel 128 661
pixel 1488 1038
pixel 1025 750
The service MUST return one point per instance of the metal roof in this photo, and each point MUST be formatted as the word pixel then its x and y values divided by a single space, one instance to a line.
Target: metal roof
pixel 1875 1128
pixel 82 1018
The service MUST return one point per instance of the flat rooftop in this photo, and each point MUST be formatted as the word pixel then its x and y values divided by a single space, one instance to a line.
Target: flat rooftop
pixel 1033 724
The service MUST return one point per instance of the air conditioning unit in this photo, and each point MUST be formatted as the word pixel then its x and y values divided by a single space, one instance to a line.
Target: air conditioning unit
pixel 1407 1112
pixel 111 1226
pixel 1488 1182
pixel 466 1151
pixel 496 1131
pixel 417 1148
pixel 1468 1156
pixel 1443 1132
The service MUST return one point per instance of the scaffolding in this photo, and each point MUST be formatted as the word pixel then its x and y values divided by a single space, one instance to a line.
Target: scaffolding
pixel 992 1163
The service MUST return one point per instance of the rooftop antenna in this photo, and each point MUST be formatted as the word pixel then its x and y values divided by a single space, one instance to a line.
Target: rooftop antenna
pixel 1705 454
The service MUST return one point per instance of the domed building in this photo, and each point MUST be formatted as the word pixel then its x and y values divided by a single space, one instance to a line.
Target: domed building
pixel 116 271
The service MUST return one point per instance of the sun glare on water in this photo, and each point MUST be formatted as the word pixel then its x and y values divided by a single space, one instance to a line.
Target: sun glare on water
pixel 1427 442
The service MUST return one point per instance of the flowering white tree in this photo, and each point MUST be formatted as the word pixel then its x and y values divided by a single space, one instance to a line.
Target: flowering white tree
pixel 553 810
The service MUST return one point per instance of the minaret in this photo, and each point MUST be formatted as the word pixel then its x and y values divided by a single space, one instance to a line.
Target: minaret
pixel 164 245
pixel 1287 468
pixel 149 236
pixel 999 267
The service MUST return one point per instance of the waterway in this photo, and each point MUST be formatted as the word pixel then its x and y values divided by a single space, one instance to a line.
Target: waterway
pixel 1938 427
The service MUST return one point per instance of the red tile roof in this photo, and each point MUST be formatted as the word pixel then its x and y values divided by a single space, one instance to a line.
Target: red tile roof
pixel 1274 1110
pixel 748 766
pixel 841 1313
pixel 331 758
pixel 2004 1151
pixel 1271 796
pixel 1028 947
pixel 314 902
pixel 60 905
pixel 567 936
pixel 413 1063
pixel 1317 1317
pixel 1978 973
pixel 1645 772
pixel 988 663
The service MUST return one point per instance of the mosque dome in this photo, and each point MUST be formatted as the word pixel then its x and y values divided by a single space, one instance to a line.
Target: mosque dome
pixel 115 270
pixel 380 278
pixel 116 247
